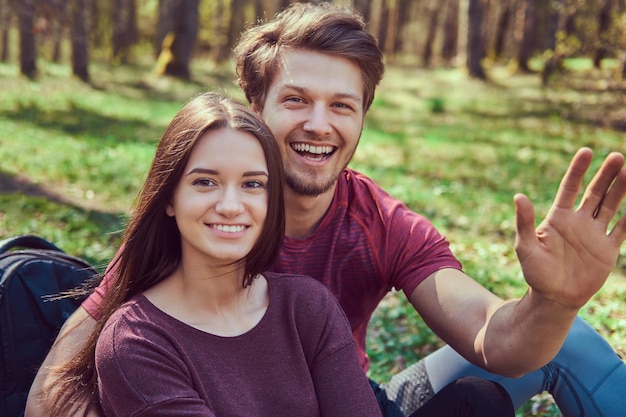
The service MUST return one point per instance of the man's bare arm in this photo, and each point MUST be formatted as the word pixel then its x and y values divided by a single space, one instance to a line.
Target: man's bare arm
pixel 565 261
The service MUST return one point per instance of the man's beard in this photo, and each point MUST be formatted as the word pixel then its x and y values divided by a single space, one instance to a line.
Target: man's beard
pixel 309 188
pixel 308 185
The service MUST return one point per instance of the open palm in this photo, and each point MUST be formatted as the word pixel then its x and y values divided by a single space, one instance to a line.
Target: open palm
pixel 570 255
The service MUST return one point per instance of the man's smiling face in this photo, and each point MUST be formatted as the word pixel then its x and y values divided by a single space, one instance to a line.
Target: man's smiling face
pixel 314 107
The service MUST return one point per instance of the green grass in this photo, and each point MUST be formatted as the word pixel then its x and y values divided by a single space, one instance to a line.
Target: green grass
pixel 456 150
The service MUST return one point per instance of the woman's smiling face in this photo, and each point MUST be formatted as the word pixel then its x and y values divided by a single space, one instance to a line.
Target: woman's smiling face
pixel 220 202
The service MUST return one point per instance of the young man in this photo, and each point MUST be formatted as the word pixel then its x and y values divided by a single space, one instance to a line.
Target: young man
pixel 311 74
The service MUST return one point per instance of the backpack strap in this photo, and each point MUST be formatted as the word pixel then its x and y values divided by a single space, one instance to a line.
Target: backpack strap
pixel 26 242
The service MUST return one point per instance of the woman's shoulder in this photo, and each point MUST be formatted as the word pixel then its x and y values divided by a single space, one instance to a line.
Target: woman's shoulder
pixel 296 283
pixel 136 315
pixel 302 294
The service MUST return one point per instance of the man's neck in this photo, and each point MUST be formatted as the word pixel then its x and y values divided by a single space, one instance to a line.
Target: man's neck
pixel 305 213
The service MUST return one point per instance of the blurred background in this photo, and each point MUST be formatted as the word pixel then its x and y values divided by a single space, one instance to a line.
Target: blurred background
pixel 427 33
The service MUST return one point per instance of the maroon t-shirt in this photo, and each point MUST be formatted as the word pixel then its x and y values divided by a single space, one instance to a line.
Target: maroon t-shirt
pixel 368 243
pixel 299 360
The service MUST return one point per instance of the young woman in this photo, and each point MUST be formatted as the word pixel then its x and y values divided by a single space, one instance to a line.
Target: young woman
pixel 194 326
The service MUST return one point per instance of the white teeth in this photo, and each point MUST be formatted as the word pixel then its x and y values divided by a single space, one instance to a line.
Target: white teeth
pixel 319 150
pixel 229 229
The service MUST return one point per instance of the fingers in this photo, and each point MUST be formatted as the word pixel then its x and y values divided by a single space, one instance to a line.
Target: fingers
pixel 606 191
pixel 572 181
pixel 611 205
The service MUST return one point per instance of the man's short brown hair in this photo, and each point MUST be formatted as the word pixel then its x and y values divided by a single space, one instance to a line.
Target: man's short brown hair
pixel 325 28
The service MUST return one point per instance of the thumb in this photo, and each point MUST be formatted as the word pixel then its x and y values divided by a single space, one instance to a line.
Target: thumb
pixel 524 221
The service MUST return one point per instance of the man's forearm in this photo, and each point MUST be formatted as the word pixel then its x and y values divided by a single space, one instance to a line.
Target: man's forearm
pixel 523 335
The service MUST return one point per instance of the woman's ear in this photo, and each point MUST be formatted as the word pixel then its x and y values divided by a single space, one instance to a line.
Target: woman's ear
pixel 169 210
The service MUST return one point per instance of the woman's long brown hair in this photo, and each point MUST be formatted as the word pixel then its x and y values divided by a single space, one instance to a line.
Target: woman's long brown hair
pixel 151 248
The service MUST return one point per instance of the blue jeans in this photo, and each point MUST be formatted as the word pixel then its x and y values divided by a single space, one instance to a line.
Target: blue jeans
pixel 586 378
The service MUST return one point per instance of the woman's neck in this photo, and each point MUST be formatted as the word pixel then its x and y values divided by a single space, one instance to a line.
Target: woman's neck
pixel 213 301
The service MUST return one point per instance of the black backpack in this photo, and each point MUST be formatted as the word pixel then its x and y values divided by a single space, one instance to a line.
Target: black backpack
pixel 29 318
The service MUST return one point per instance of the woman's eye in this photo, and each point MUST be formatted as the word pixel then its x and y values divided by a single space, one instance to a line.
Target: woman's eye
pixel 203 182
pixel 254 184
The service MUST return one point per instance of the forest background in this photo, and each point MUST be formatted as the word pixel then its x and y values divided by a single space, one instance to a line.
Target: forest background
pixel 481 99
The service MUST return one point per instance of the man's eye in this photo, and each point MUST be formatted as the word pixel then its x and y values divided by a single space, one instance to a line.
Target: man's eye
pixel 294 100
pixel 343 106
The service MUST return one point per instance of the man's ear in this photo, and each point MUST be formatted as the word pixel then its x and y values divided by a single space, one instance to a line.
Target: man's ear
pixel 255 109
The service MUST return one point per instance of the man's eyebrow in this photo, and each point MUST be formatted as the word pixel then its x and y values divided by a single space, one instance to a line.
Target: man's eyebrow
pixel 340 95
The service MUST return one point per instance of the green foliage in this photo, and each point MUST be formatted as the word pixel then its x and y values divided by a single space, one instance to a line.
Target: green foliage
pixel 456 150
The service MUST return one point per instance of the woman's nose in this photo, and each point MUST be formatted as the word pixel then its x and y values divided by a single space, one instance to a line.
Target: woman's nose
pixel 230 203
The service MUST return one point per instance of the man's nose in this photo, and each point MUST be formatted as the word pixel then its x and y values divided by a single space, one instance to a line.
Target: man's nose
pixel 318 121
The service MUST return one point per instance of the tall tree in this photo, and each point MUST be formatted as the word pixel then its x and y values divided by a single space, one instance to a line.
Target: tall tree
pixel 557 24
pixel 475 40
pixel 502 28
pixel 526 42
pixel 176 38
pixel 28 52
pixel 604 24
pixel 620 37
pixel 449 46
pixel 238 20
pixel 433 24
pixel 124 28
pixel 58 22
pixel 219 48
pixel 5 25
pixel 80 44
pixel 378 19
pixel 391 28
pixel 406 9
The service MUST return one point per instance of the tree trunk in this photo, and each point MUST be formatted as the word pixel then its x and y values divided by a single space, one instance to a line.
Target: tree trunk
pixel 80 46
pixel 557 24
pixel 404 18
pixel 433 23
pixel 219 48
pixel 124 29
pixel 378 22
pixel 375 22
pixel 28 52
pixel 527 41
pixel 58 23
pixel 604 24
pixel 5 24
pixel 475 41
pixel 177 32
pixel 391 32
pixel 237 22
pixel 502 28
pixel 449 47
pixel 165 24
